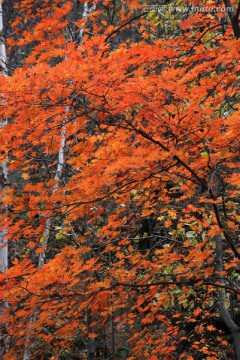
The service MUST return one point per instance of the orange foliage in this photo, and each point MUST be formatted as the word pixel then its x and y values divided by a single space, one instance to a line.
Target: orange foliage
pixel 151 133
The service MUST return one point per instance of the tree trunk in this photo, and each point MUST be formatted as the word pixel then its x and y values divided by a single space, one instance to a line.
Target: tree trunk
pixel 46 233
pixel 233 16
pixel 3 181
pixel 58 175
pixel 230 323
pixel 3 167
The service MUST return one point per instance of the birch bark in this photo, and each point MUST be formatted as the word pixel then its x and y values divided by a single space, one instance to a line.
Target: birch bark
pixel 46 234
pixel 3 181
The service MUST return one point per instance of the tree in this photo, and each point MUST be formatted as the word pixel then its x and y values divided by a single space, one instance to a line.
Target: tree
pixel 3 184
pixel 123 229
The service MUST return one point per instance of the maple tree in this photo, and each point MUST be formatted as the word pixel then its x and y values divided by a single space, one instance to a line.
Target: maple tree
pixel 122 213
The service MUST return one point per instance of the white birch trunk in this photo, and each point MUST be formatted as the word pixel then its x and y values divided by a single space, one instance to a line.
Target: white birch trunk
pixel 3 56
pixel 3 179
pixel 86 12
pixel 3 172
pixel 58 175
pixel 46 233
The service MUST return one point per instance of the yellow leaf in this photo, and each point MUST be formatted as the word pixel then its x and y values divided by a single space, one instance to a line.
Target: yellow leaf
pixel 42 239
pixel 211 328
pixel 172 214
pixel 60 236
pixel 25 176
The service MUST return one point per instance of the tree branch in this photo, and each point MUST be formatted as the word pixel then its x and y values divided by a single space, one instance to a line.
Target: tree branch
pixel 233 17
pixel 123 25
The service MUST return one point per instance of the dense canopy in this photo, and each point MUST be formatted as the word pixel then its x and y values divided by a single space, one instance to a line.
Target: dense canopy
pixel 120 180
